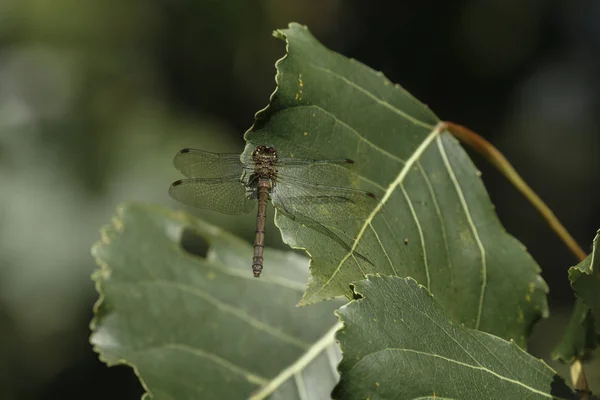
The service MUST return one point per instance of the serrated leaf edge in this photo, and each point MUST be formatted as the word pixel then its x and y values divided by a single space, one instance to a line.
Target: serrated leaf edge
pixel 98 277
pixel 410 280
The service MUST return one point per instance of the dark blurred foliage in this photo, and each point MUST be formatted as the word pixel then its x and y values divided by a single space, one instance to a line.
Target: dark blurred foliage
pixel 96 97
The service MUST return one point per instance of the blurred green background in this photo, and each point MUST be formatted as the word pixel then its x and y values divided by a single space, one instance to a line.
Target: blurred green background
pixel 96 96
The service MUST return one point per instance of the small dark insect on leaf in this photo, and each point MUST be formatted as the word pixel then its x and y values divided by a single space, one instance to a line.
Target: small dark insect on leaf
pixel 406 241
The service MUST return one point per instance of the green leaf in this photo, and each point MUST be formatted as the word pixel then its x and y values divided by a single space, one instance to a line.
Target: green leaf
pixel 581 334
pixel 195 327
pixel 398 343
pixel 579 337
pixel 585 280
pixel 435 223
pixel 310 377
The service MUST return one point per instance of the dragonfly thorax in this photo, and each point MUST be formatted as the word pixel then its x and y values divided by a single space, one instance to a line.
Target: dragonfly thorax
pixel 265 158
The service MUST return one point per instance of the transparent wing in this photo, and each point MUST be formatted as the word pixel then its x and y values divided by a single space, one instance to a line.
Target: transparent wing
pixel 322 202
pixel 323 172
pixel 201 164
pixel 225 195
pixel 293 161
pixel 323 208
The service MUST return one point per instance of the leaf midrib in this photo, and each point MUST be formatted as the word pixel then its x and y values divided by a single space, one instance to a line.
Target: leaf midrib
pixel 392 187
pixel 436 131
pixel 317 348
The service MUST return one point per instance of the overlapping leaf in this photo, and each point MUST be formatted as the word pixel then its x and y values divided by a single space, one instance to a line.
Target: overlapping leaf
pixel 204 328
pixel 398 343
pixel 583 329
pixel 435 222
pixel 580 336
pixel 585 279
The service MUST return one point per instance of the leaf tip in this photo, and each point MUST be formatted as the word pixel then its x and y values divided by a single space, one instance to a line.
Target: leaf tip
pixel 279 34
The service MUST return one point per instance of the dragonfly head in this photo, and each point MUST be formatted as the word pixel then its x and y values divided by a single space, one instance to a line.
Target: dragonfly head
pixel 264 155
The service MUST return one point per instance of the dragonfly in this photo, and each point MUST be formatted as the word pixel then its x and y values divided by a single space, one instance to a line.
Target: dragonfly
pixel 304 190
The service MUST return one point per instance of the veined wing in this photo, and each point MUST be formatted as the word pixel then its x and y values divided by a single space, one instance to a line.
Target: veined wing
pixel 294 161
pixel 319 211
pixel 322 202
pixel 322 172
pixel 225 195
pixel 201 164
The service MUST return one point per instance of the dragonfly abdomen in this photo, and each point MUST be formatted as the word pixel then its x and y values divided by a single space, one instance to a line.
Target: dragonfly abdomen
pixel 264 185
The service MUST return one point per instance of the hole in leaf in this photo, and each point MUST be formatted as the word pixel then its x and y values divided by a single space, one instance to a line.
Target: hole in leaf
pixel 355 294
pixel 193 243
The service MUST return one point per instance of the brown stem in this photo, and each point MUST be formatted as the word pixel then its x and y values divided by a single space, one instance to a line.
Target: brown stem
pixel 493 155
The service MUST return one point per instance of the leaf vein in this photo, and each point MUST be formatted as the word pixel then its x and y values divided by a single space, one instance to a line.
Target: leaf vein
pixel 300 385
pixel 399 179
pixel 383 248
pixel 480 368
pixel 252 378
pixel 465 207
pixel 439 215
pixel 377 99
pixel 230 310
pixel 317 348
pixel 421 236
pixel 354 131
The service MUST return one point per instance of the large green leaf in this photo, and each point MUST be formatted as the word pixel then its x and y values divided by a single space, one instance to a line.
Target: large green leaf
pixel 435 222
pixel 582 332
pixel 196 328
pixel 398 343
